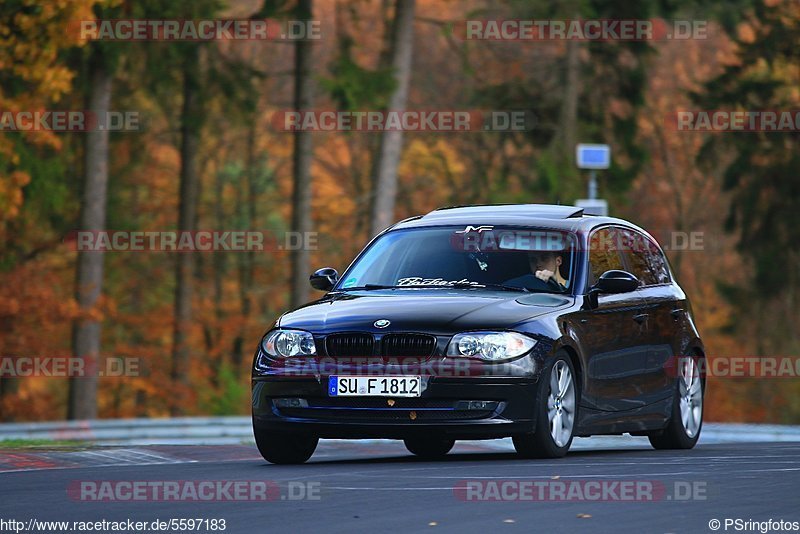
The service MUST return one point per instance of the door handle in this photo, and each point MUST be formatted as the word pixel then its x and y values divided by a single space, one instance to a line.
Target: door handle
pixel 676 313
pixel 642 317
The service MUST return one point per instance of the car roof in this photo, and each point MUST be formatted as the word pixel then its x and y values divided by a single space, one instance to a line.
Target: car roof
pixel 571 218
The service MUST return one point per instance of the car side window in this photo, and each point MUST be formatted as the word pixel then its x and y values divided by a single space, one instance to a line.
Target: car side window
pixel 604 253
pixel 636 250
pixel 658 263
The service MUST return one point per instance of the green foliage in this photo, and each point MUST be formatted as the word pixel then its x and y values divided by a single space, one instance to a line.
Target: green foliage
pixel 234 393
pixel 615 71
pixel 38 444
pixel 273 9
pixel 354 88
pixel 765 208
pixel 51 203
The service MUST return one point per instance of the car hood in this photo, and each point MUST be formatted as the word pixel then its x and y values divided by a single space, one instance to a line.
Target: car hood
pixel 433 311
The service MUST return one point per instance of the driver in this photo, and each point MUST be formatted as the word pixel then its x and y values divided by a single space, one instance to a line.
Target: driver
pixel 544 266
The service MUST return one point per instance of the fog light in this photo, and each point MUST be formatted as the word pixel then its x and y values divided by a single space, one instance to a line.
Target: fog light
pixel 290 403
pixel 476 405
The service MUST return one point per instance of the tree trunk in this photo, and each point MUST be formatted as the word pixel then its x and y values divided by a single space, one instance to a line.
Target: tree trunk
pixel 247 259
pixel 391 144
pixel 187 219
pixel 82 402
pixel 214 331
pixel 137 307
pixel 569 107
pixel 303 151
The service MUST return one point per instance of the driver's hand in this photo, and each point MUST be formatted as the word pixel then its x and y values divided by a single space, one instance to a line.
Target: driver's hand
pixel 544 275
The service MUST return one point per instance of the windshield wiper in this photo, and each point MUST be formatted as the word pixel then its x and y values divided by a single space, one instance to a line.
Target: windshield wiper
pixel 503 287
pixel 367 287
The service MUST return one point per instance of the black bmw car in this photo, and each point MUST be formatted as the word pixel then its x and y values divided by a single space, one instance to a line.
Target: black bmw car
pixel 534 322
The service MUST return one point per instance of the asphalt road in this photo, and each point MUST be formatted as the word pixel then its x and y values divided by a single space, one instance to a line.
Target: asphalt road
pixel 377 486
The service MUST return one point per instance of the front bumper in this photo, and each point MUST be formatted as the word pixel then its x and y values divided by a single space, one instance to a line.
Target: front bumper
pixel 458 407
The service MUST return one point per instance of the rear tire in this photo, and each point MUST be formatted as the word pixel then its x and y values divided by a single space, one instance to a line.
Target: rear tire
pixel 683 429
pixel 556 412
pixel 429 448
pixel 285 448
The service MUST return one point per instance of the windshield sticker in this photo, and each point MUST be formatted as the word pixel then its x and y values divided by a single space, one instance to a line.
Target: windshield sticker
pixel 350 282
pixel 478 229
pixel 480 261
pixel 420 281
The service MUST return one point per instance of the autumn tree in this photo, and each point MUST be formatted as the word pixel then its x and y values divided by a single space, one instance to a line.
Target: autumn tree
pixel 301 162
pixel 89 277
pixel 35 76
pixel 761 179
pixel 384 174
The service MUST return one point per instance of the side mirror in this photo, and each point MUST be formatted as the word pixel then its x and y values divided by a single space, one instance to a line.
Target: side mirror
pixel 613 281
pixel 617 282
pixel 324 279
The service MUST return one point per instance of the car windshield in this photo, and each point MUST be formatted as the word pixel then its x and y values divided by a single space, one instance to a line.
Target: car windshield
pixel 482 257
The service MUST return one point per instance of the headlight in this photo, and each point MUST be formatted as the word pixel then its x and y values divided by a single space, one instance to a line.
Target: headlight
pixel 288 343
pixel 491 346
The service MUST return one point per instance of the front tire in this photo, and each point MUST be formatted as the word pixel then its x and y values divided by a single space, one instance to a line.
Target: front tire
pixel 684 426
pixel 285 448
pixel 429 448
pixel 557 410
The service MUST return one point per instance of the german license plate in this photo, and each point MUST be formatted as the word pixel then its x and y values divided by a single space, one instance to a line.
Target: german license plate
pixel 374 386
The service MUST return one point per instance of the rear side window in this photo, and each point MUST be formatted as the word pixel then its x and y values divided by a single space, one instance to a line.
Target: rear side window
pixel 636 250
pixel 643 258
pixel 604 253
pixel 658 263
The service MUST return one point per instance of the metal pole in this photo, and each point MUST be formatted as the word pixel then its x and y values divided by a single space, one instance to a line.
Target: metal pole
pixel 592 185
